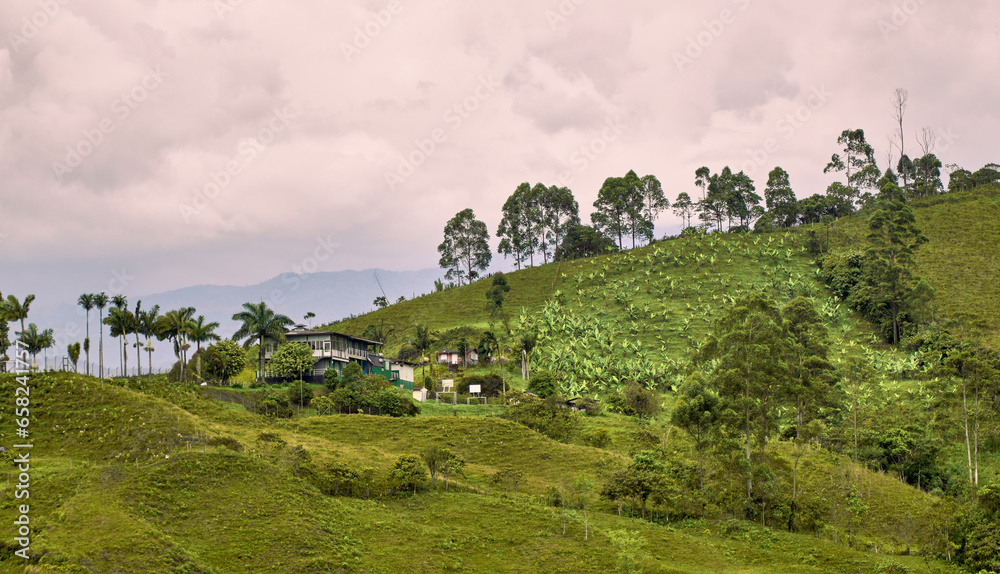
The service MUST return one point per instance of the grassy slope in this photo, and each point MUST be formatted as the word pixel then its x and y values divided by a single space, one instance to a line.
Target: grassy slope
pixel 962 259
pixel 225 511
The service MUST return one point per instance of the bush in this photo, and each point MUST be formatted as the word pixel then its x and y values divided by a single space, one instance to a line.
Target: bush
pixel 407 473
pixel 224 360
pixel 271 402
pixel 323 405
pixel 541 416
pixel 543 384
pixel 299 393
pixel 635 401
pixel 331 379
pixel 373 395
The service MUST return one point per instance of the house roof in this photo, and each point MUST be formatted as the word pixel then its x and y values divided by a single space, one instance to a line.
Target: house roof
pixel 301 330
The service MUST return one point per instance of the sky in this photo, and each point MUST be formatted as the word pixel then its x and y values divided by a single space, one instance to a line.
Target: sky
pixel 149 145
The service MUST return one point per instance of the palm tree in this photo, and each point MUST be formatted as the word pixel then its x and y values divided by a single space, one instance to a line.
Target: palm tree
pixel 260 322
pixel 120 302
pixel 87 302
pixel 202 332
pixel 135 329
pixel 150 324
pixel 17 311
pixel 121 322
pixel 176 325
pixel 100 301
pixel 36 341
pixel 422 340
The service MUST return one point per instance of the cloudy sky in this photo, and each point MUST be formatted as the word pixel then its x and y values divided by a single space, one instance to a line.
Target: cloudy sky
pixel 147 145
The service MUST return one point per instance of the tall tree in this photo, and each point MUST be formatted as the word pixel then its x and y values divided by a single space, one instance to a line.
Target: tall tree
pixel 422 340
pixel 927 176
pixel 699 412
pixel 202 332
pixel 683 208
pixel 810 371
pixel 87 302
pixel 702 177
pixel 121 323
pixel 176 326
pixel 36 341
pixel 559 214
pixel 780 199
pixel 73 352
pixel 465 250
pixel 654 203
pixel 519 229
pixel 259 322
pixel 746 352
pixel 120 302
pixel 17 310
pixel 150 324
pixel 858 161
pixel 619 207
pixel 136 330
pixel 899 100
pixel 894 238
pixel 100 301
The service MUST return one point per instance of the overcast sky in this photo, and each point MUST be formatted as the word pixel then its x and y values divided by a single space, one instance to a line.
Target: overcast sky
pixel 147 145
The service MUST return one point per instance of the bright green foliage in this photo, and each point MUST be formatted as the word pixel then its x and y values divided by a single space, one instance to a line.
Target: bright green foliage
pixel 441 460
pixel 223 360
pixel 407 473
pixel 629 545
pixel 699 412
pixel 811 372
pixel 542 416
pixel 543 384
pixel 465 250
pixel 73 351
pixel 323 405
pixel 291 360
pixel 371 394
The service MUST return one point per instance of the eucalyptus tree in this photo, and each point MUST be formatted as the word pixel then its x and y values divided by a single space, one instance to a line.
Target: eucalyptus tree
pixel 87 302
pixel 683 208
pixel 899 100
pixel 745 352
pixel 974 371
pixel 780 199
pixel 559 214
pixel 654 203
pixel 465 250
pixel 810 372
pixel 100 301
pixel 699 411
pixel 894 238
pixel 619 207
pixel 927 176
pixel 259 322
pixel 858 161
pixel 519 229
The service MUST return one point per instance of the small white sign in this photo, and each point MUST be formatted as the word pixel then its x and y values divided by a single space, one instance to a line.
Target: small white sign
pixel 447 384
pixel 475 389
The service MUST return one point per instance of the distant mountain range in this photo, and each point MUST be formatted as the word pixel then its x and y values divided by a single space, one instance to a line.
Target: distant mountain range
pixel 330 295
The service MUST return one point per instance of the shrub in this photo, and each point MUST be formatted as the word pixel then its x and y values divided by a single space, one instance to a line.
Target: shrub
pixel 543 384
pixel 331 379
pixel 299 393
pixel 407 473
pixel 323 405
pixel 224 360
pixel 541 416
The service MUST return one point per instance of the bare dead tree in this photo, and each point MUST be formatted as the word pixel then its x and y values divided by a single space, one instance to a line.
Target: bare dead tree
pixel 927 140
pixel 899 99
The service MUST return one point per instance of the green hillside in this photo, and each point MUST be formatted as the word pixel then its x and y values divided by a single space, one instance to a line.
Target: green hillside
pixel 149 476
pixel 203 488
